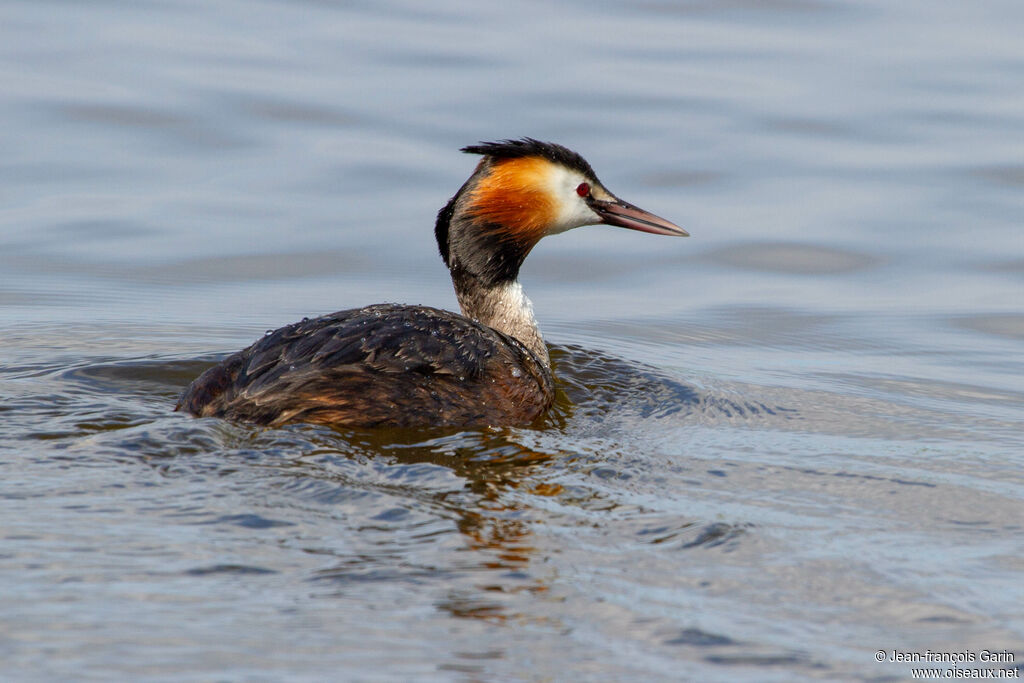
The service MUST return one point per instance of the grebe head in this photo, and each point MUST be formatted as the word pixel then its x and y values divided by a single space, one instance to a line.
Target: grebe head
pixel 521 191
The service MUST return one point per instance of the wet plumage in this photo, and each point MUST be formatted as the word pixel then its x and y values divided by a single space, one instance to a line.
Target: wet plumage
pixel 381 365
pixel 405 366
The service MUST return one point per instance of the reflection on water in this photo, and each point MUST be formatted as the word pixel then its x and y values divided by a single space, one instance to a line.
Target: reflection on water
pixel 777 447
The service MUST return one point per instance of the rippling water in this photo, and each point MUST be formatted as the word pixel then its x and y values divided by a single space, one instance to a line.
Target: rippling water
pixel 780 446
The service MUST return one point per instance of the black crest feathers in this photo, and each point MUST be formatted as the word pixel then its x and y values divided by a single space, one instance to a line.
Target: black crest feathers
pixel 528 147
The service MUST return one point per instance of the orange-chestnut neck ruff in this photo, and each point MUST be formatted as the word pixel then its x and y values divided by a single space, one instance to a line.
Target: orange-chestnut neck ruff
pixel 515 199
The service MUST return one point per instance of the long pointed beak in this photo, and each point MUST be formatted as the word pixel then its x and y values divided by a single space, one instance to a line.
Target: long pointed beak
pixel 625 215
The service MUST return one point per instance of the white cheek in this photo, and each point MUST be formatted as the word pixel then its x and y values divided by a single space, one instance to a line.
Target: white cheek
pixel 572 209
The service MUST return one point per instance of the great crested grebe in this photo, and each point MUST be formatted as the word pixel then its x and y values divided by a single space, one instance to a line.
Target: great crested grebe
pixel 405 366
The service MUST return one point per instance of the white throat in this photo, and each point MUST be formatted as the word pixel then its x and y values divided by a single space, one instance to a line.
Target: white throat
pixel 506 309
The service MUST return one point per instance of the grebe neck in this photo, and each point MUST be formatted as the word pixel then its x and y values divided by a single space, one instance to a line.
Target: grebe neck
pixel 503 307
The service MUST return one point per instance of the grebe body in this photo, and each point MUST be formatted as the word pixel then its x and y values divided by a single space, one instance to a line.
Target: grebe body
pixel 383 365
pixel 407 366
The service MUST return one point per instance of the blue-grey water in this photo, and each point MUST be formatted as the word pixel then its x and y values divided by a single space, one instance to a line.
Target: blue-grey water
pixel 781 445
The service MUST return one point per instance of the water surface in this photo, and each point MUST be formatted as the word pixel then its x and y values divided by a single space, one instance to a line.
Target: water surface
pixel 781 445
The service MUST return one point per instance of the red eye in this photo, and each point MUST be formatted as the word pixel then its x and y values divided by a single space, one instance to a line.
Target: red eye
pixel 583 189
